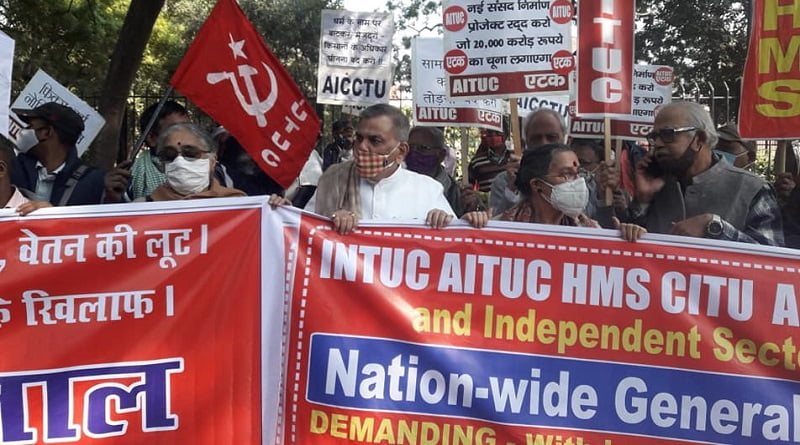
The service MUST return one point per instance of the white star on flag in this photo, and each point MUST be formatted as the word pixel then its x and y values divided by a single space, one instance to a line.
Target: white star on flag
pixel 236 47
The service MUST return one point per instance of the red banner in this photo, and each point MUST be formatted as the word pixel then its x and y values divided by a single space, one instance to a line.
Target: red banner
pixel 605 57
pixel 131 328
pixel 226 322
pixel 233 76
pixel 536 335
pixel 770 106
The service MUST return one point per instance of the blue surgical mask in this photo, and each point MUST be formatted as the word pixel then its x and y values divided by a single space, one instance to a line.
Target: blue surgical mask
pixel 730 158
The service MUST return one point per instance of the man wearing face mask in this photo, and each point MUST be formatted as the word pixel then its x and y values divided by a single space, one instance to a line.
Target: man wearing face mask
pixel 341 149
pixel 375 185
pixel 490 160
pixel 187 155
pixel 427 150
pixel 48 163
pixel 733 149
pixel 682 188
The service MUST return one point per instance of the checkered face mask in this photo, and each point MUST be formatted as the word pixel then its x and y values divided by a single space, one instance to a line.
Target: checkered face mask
pixel 371 164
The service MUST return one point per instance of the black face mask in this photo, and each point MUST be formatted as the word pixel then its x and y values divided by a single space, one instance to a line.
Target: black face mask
pixel 678 167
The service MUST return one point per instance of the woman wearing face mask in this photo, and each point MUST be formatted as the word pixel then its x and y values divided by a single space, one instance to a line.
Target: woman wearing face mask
pixel 554 191
pixel 187 155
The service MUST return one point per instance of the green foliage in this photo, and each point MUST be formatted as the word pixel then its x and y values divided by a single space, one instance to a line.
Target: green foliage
pixel 703 40
pixel 69 39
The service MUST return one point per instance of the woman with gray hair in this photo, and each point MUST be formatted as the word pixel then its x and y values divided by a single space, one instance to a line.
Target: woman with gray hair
pixel 187 156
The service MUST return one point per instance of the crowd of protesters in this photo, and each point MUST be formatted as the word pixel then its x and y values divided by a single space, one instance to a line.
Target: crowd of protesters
pixel 690 178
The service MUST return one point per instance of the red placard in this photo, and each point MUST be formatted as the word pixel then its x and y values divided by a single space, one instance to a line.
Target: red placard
pixel 770 106
pixel 605 57
pixel 231 74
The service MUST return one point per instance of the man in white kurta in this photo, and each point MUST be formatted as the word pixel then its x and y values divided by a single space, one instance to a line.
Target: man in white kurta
pixel 375 185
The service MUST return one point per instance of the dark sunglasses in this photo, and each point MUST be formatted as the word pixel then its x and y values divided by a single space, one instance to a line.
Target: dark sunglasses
pixel 667 135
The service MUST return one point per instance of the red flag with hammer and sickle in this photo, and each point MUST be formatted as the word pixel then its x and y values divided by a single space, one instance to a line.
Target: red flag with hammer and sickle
pixel 231 74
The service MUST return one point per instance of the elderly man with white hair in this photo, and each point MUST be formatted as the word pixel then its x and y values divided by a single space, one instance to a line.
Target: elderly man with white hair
pixel 683 188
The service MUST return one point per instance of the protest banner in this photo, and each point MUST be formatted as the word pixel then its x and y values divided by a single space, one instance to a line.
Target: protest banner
pixel 355 58
pixel 652 89
pixel 429 86
pixel 539 335
pixel 231 74
pixel 223 321
pixel 770 103
pixel 139 323
pixel 605 58
pixel 507 48
pixel 6 65
pixel 42 89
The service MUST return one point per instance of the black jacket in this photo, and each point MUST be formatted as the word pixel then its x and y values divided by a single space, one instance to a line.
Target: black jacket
pixel 89 188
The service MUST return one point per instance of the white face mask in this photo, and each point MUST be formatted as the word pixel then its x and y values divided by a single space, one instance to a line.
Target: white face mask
pixel 188 177
pixel 570 197
pixel 26 140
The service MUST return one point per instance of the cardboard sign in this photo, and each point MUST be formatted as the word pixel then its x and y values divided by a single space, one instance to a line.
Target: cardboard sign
pixel 42 89
pixel 507 48
pixel 432 107
pixel 355 58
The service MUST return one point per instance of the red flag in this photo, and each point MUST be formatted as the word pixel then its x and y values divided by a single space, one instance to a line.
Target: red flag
pixel 770 106
pixel 605 58
pixel 231 74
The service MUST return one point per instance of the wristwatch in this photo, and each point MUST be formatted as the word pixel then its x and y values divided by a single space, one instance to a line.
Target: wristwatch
pixel 714 227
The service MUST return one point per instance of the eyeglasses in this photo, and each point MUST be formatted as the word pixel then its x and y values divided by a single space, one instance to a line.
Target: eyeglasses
pixel 190 152
pixel 567 176
pixel 667 135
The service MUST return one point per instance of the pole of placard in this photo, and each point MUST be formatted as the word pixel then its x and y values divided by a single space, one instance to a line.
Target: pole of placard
pixel 780 157
pixel 515 134
pixel 138 145
pixel 464 156
pixel 607 156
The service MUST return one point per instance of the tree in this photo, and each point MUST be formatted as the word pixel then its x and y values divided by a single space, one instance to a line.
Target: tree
pixel 125 60
pixel 705 41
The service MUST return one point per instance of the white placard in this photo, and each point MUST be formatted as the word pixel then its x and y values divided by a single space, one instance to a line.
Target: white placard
pixel 432 107
pixel 6 65
pixel 652 89
pixel 43 89
pixel 355 58
pixel 507 48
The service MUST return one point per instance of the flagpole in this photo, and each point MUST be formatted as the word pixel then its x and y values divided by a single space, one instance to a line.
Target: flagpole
pixel 138 146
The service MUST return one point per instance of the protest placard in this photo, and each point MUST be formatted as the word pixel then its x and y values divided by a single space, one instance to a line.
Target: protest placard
pixel 355 58
pixel 42 89
pixel 605 58
pixel 507 48
pixel 6 65
pixel 432 107
pixel 652 89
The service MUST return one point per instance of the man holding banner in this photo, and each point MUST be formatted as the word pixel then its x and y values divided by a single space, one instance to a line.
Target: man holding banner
pixel 683 189
pixel 375 186
pixel 48 163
